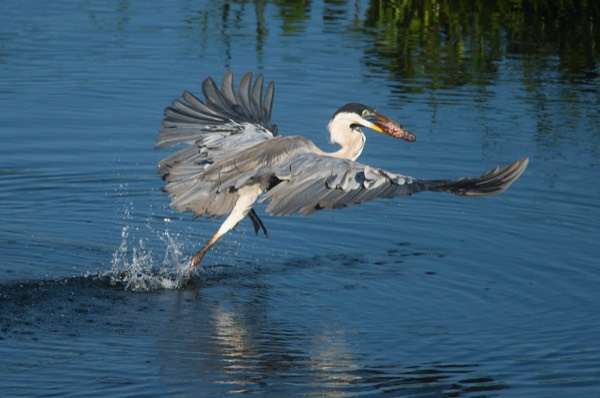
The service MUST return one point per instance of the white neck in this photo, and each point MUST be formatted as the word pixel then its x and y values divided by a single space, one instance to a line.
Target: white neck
pixel 351 141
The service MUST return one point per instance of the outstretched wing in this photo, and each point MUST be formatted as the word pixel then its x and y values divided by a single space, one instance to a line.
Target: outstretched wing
pixel 215 130
pixel 224 113
pixel 312 182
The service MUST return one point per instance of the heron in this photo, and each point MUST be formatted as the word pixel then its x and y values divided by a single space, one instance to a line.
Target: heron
pixel 235 158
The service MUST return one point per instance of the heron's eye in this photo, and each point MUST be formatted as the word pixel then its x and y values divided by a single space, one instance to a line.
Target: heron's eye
pixel 366 113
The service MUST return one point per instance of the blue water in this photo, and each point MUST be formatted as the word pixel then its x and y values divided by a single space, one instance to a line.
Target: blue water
pixel 429 296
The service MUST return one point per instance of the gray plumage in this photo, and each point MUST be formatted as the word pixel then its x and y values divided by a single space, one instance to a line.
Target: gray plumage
pixel 217 132
pixel 233 151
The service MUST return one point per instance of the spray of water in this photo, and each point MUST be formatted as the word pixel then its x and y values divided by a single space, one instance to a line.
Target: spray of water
pixel 142 262
pixel 137 268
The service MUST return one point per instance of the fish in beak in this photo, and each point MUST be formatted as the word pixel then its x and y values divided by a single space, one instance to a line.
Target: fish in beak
pixel 389 127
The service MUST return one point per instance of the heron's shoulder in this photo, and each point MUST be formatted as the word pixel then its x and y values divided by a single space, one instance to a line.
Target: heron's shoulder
pixel 289 144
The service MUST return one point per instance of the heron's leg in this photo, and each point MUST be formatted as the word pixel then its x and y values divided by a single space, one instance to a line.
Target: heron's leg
pixel 231 221
pixel 198 256
pixel 247 197
pixel 258 224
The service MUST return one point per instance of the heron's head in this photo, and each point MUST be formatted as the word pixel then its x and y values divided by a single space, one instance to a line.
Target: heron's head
pixel 353 115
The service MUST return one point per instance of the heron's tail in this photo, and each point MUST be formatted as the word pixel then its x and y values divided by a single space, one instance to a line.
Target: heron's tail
pixel 489 183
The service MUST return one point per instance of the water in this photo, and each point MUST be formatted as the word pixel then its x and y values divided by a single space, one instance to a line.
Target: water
pixel 426 296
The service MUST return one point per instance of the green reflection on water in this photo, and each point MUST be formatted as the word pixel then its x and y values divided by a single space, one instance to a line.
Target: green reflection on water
pixel 450 43
pixel 431 44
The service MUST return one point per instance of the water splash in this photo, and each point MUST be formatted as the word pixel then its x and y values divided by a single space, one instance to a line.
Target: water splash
pixel 137 269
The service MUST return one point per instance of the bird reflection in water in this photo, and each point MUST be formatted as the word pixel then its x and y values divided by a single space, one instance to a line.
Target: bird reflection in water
pixel 230 343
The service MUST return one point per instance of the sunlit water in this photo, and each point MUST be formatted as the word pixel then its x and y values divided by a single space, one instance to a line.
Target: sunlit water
pixel 428 296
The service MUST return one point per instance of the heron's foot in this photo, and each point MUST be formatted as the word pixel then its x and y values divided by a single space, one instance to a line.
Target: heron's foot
pixel 257 222
pixel 186 274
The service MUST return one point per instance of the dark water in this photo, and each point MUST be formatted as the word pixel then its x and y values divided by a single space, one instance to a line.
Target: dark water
pixel 429 296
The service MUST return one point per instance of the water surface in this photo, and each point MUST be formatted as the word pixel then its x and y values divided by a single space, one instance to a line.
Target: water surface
pixel 427 296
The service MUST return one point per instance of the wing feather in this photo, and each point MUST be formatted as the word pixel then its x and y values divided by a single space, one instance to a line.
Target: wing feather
pixel 256 98
pixel 216 130
pixel 268 103
pixel 316 182
pixel 205 111
pixel 215 99
pixel 227 88
pixel 243 95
